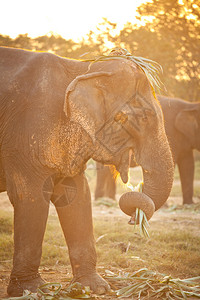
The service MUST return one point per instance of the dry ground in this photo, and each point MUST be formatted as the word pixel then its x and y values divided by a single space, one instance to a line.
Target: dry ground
pixel 181 220
pixel 173 247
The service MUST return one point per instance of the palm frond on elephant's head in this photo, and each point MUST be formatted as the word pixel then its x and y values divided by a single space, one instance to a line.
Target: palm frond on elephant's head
pixel 148 66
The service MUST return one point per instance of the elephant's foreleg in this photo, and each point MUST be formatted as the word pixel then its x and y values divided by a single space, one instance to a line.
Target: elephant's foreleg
pixel 186 170
pixel 2 179
pixel 30 216
pixel 76 222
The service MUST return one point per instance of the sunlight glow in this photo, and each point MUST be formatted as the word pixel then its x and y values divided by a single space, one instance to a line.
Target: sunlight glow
pixel 71 20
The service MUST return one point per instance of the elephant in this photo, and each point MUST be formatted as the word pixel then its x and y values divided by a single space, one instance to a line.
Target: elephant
pixel 182 125
pixel 57 113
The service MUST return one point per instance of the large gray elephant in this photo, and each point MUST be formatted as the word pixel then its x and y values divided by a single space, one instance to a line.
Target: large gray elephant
pixel 56 113
pixel 182 124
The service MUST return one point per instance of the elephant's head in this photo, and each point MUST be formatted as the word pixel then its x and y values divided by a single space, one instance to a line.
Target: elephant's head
pixel 115 104
pixel 188 123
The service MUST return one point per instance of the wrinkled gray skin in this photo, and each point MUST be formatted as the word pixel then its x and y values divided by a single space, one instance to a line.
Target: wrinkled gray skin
pixel 55 114
pixel 182 125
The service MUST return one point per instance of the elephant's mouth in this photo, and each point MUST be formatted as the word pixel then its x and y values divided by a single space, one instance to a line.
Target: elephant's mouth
pixel 124 165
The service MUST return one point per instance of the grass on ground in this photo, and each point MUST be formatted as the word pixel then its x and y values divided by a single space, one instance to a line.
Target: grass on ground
pixel 173 246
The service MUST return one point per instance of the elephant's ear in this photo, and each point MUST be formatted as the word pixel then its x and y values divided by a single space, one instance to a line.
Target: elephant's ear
pixel 84 101
pixel 187 124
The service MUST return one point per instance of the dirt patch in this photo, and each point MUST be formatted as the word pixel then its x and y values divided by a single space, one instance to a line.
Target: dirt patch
pixel 169 217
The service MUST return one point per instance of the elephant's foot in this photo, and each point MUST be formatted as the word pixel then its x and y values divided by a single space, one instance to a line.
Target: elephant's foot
pixel 96 283
pixel 16 286
pixel 188 201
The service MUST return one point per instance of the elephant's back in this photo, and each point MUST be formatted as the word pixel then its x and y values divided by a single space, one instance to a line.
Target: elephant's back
pixel 172 104
pixel 32 90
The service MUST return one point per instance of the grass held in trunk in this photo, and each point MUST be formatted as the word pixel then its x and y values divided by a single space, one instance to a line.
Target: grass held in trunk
pixel 139 216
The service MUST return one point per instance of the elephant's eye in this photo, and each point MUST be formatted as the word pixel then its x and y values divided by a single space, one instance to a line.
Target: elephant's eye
pixel 121 117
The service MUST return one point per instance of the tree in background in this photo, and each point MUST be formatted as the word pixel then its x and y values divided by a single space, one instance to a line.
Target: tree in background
pixel 170 35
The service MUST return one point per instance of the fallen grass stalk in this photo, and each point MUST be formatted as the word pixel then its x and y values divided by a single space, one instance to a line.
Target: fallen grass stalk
pixel 142 284
pixel 56 291
pixel 148 284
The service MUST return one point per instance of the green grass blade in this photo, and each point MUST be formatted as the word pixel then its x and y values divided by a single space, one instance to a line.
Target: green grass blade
pixel 145 232
pixel 136 216
pixel 190 279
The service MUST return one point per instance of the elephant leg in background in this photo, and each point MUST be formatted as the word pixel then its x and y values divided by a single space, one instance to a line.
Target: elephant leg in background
pixel 105 182
pixel 100 181
pixel 186 170
pixel 110 189
pixel 76 222
pixel 30 216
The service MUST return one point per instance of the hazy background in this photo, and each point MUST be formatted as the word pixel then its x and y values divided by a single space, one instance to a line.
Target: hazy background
pixel 167 31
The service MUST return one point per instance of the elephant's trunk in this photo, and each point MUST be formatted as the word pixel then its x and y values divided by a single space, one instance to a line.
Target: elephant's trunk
pixel 158 178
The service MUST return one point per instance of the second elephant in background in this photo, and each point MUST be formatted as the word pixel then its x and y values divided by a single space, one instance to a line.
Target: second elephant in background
pixel 182 125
